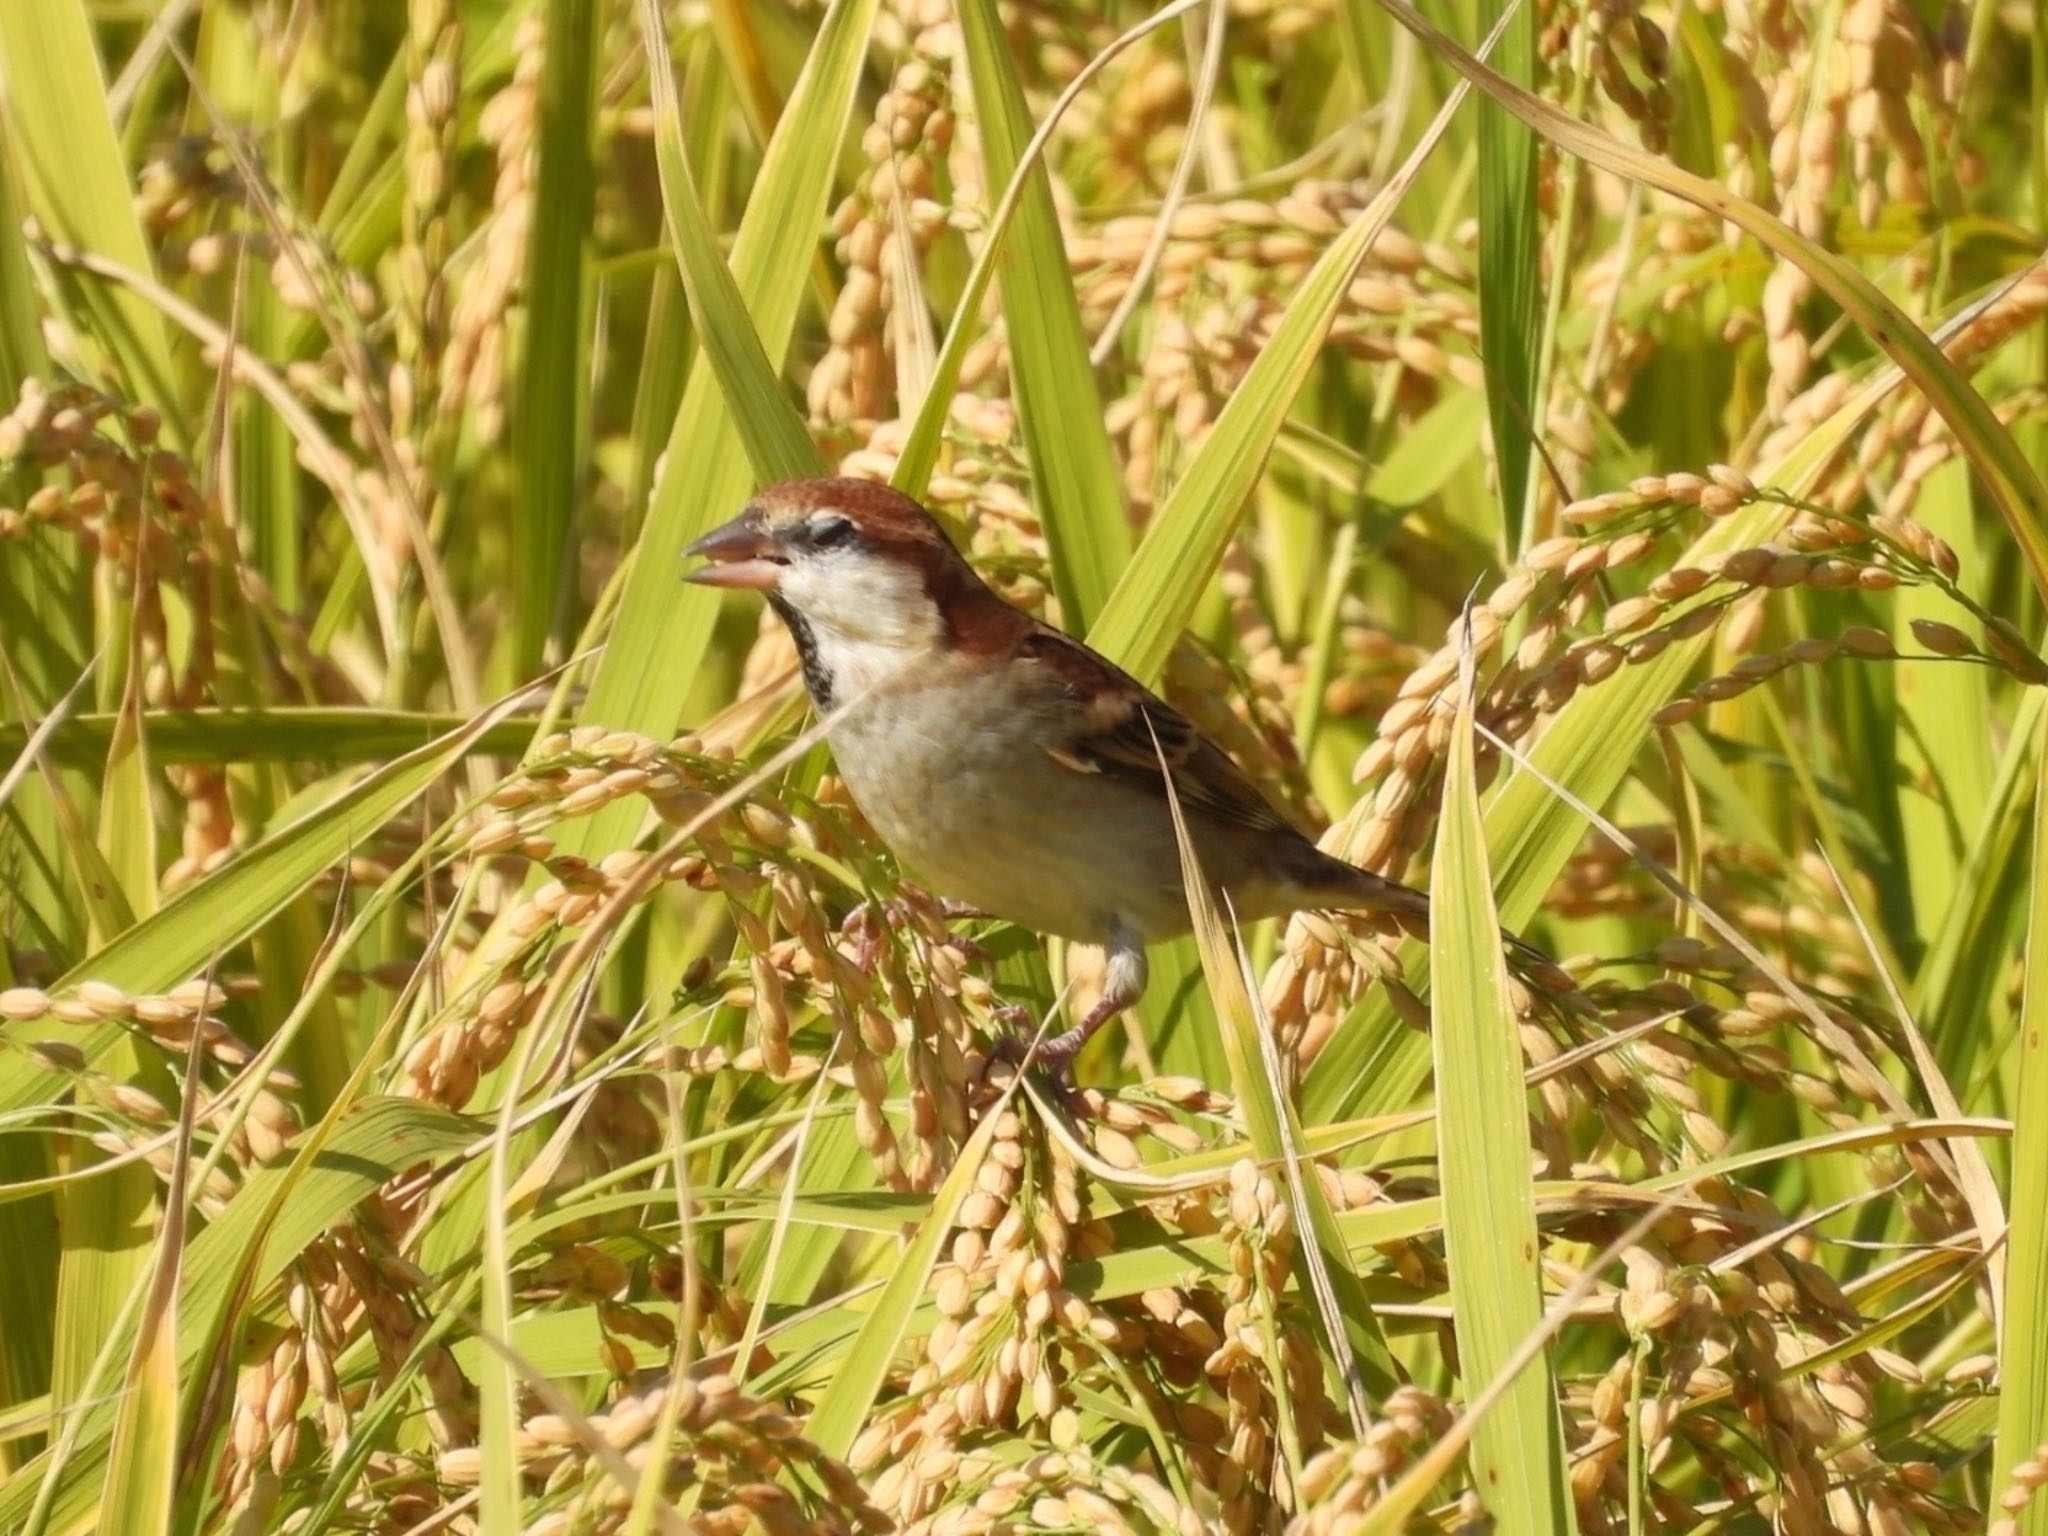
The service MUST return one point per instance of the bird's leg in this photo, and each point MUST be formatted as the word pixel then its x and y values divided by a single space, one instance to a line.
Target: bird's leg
pixel 1123 983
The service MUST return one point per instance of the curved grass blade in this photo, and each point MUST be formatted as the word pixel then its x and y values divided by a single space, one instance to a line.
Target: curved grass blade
pixel 2022 498
pixel 1966 954
pixel 777 443
pixel 1156 595
pixel 921 449
pixel 845 1404
pixel 77 183
pixel 1105 343
pixel 663 626
pixel 1075 484
pixel 220 911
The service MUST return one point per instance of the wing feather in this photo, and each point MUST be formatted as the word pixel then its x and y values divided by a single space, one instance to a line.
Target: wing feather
pixel 1124 730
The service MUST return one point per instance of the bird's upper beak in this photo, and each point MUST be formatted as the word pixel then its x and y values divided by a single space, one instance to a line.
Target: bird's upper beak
pixel 740 554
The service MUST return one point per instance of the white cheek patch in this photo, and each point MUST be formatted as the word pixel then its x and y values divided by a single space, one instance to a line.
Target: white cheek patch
pixel 866 618
pixel 859 600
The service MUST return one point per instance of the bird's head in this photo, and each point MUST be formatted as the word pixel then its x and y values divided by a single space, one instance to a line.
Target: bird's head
pixel 853 560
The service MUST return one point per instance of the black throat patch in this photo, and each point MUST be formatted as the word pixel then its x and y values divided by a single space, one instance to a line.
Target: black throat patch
pixel 817 679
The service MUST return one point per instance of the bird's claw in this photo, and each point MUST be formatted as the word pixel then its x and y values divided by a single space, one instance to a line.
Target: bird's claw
pixel 867 923
pixel 864 926
pixel 1018 1046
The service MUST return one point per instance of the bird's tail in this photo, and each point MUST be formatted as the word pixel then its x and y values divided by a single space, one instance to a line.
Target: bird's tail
pixel 1351 889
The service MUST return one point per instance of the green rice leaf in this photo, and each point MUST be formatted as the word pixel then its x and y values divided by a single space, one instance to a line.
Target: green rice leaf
pixel 2023 1357
pixel 1944 739
pixel 1518 1457
pixel 372 1145
pixel 1075 484
pixel 551 410
pixel 76 181
pixel 315 734
pixel 777 442
pixel 1510 272
pixel 1352 1335
pixel 2016 487
pixel 1157 593
pixel 127 831
pixel 1964 967
pixel 21 333
pixel 220 911
pixel 142 1476
pixel 844 1407
pixel 663 626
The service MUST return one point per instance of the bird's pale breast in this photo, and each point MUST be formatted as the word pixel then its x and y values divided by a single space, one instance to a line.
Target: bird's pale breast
pixel 954 776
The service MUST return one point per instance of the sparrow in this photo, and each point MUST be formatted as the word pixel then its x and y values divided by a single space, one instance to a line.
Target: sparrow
pixel 1007 765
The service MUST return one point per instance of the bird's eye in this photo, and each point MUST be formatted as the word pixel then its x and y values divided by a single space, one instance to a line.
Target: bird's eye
pixel 830 529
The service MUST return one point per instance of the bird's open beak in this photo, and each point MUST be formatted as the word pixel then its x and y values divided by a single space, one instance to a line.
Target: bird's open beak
pixel 740 554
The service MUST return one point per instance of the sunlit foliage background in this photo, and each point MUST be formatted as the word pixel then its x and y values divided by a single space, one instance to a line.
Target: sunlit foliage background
pixel 464 1064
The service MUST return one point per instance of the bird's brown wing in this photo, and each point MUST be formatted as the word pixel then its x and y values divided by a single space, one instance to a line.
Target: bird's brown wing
pixel 1125 730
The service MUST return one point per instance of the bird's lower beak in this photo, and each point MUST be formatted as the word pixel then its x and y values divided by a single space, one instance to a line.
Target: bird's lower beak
pixel 739 554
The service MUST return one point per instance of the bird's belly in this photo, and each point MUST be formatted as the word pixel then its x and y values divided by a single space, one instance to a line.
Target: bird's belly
pixel 966 799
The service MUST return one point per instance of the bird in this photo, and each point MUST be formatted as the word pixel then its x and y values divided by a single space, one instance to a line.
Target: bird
pixel 1009 767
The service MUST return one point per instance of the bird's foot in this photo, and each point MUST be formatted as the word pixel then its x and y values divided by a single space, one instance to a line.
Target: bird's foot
pixel 1020 1048
pixel 1017 1041
pixel 866 924
pixel 1057 1053
pixel 869 924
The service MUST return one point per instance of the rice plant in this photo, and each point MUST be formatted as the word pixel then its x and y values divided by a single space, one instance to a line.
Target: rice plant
pixel 466 1064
